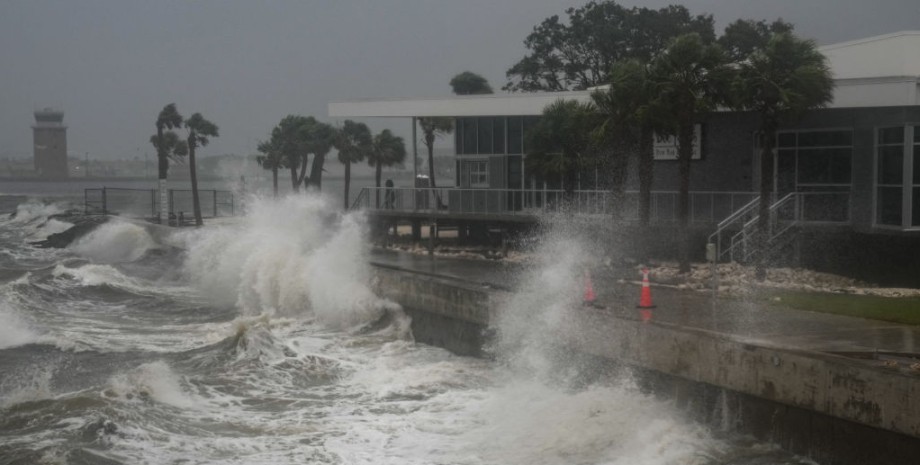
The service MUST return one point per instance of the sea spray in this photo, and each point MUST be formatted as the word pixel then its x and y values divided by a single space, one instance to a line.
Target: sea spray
pixel 294 256
pixel 532 324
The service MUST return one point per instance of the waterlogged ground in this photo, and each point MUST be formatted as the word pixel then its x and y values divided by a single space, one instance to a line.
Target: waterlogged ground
pixel 261 342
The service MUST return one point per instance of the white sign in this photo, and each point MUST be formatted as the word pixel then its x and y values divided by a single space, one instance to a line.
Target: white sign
pixel 665 147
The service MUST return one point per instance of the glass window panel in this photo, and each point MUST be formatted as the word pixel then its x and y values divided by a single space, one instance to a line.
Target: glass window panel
pixel 515 134
pixel 498 135
pixel 479 174
pixel 529 123
pixel 485 135
pixel 787 139
pixel 917 164
pixel 915 207
pixel 458 135
pixel 891 136
pixel 514 172
pixel 889 205
pixel 917 134
pixel 469 136
pixel 825 138
pixel 840 167
pixel 814 167
pixel 890 164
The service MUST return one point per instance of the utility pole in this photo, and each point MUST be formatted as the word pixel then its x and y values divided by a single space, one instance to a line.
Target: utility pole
pixel 87 164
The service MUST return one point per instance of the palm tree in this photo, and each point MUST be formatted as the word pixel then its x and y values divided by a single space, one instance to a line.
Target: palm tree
pixel 168 119
pixel 627 121
pixel 270 159
pixel 321 137
pixel 691 79
pixel 781 81
pixel 562 140
pixel 386 150
pixel 199 130
pixel 432 128
pixel 353 142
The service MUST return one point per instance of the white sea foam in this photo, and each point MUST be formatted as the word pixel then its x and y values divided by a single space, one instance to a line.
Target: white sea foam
pixel 14 330
pixel 295 256
pixel 114 242
pixel 33 212
pixel 155 380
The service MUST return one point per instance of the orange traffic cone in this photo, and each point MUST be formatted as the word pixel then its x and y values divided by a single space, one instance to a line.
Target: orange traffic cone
pixel 589 289
pixel 645 298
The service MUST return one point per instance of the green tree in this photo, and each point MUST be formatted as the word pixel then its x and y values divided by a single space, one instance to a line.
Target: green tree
pixel 780 81
pixel 745 36
pixel 167 120
pixel 469 83
pixel 271 159
pixel 199 132
pixel 386 150
pixel 580 53
pixel 691 79
pixel 354 143
pixel 562 142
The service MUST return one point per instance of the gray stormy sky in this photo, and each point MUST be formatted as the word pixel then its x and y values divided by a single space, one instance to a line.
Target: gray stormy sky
pixel 112 64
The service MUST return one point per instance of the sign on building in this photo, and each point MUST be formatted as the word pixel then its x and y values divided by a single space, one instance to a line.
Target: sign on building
pixel 665 147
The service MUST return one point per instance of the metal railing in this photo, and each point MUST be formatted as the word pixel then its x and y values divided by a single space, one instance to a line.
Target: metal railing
pixel 791 210
pixel 705 206
pixel 145 203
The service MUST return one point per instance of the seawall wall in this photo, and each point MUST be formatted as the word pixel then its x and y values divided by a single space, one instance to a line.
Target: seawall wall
pixel 833 409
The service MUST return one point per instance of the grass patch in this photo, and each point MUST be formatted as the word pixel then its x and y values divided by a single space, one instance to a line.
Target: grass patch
pixel 904 310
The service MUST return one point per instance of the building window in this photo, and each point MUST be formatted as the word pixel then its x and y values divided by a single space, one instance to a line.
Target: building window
pixel 515 135
pixel 821 158
pixel 915 178
pixel 479 173
pixel 889 176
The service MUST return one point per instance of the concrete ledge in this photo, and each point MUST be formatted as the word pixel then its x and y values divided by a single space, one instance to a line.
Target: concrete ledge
pixel 789 396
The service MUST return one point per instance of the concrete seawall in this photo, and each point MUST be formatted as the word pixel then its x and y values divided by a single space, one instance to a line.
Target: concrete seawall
pixel 834 409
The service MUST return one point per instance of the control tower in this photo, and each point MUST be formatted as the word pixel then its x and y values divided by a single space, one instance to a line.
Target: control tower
pixel 49 136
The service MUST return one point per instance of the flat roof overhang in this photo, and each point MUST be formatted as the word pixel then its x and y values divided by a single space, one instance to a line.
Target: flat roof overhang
pixel 888 91
pixel 454 106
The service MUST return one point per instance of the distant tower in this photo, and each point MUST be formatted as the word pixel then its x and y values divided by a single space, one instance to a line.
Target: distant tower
pixel 49 136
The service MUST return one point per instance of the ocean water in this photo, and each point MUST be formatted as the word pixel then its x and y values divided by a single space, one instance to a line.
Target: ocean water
pixel 260 341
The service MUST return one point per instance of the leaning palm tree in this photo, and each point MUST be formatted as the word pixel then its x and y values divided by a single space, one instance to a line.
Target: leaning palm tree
pixel 691 79
pixel 199 130
pixel 780 81
pixel 320 139
pixel 271 159
pixel 386 150
pixel 168 119
pixel 353 142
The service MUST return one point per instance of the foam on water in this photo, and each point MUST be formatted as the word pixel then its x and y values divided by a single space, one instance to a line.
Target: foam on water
pixel 154 380
pixel 14 330
pixel 114 242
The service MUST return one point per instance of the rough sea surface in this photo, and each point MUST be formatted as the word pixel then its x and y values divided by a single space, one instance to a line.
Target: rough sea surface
pixel 260 341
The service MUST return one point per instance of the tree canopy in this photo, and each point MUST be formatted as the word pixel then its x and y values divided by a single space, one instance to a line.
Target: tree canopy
pixel 745 36
pixel 469 83
pixel 562 140
pixel 579 53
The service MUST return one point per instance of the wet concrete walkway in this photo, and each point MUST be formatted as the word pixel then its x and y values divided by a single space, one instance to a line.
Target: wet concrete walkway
pixel 749 321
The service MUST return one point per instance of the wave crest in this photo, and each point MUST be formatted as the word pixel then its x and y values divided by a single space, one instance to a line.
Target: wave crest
pixel 114 242
pixel 295 256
